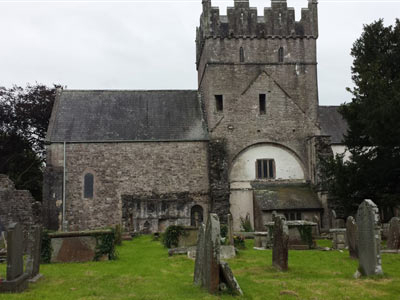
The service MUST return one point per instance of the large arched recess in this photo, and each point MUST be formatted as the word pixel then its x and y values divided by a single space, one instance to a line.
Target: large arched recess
pixel 288 167
pixel 287 164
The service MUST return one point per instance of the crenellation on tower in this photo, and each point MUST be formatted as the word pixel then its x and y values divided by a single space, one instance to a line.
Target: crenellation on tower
pixel 242 21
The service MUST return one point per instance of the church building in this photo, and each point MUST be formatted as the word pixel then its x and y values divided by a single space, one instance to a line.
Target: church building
pixel 248 141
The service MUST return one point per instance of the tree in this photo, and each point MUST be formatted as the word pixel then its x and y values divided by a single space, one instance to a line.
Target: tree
pixel 373 117
pixel 24 118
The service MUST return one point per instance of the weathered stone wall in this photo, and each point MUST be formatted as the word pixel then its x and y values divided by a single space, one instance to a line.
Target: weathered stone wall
pixel 17 206
pixel 129 171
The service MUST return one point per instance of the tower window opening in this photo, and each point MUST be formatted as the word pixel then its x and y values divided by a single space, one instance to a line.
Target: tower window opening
pixel 219 102
pixel 265 169
pixel 88 183
pixel 262 100
pixel 241 54
pixel 280 54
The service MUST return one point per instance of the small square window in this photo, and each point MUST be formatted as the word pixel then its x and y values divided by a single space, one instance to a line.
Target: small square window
pixel 265 169
pixel 219 102
pixel 262 102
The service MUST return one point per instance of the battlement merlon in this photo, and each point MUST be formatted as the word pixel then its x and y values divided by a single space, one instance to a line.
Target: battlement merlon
pixel 242 21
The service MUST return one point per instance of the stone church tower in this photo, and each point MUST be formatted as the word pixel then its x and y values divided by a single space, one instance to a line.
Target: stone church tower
pixel 258 79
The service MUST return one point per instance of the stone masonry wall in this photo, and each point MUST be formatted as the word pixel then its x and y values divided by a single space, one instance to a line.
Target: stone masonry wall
pixel 135 170
pixel 17 206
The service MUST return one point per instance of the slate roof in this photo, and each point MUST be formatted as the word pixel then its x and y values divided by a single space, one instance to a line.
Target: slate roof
pixel 332 123
pixel 112 116
pixel 287 197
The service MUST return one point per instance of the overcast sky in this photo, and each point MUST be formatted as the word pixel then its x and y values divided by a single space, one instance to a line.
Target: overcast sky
pixel 150 44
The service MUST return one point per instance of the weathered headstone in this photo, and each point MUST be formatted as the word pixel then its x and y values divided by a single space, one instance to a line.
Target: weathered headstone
pixel 209 271
pixel 212 254
pixel 15 244
pixel 393 242
pixel 316 229
pixel 16 279
pixel 280 250
pixel 229 279
pixel 199 263
pixel 230 230
pixel 338 238
pixel 352 237
pixel 369 240
pixel 33 262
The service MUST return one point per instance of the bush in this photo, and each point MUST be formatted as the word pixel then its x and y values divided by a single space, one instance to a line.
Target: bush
pixel 46 249
pixel 118 234
pixel 170 238
pixel 245 224
pixel 106 245
pixel 224 230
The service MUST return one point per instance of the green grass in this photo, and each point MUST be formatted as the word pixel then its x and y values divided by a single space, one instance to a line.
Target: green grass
pixel 144 271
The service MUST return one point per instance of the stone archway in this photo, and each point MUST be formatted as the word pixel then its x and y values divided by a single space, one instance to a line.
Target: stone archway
pixel 196 216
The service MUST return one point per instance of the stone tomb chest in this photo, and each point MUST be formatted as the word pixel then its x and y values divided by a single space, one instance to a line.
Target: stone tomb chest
pixel 300 234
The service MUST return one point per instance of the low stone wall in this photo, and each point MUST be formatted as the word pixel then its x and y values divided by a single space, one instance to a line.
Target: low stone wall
pixel 79 246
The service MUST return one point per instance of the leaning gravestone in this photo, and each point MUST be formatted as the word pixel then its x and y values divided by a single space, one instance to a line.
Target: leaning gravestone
pixel 393 242
pixel 280 250
pixel 16 279
pixel 369 254
pixel 209 271
pixel 33 262
pixel 352 237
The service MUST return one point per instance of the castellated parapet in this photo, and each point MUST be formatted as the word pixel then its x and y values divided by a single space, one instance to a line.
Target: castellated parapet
pixel 242 21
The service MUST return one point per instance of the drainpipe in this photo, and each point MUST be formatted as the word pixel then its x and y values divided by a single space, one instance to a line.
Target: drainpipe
pixel 63 200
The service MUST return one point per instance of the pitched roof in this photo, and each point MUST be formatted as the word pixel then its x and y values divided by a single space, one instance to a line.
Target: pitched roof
pixel 286 197
pixel 332 123
pixel 112 116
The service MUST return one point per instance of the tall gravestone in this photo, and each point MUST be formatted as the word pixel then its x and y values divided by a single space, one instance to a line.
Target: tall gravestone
pixel 369 254
pixel 209 271
pixel 33 262
pixel 393 241
pixel 352 237
pixel 16 279
pixel 230 230
pixel 280 250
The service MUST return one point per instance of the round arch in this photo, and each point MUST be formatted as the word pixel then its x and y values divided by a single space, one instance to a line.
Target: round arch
pixel 288 165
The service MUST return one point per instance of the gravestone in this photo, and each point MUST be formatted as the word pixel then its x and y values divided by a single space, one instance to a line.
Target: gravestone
pixel 338 238
pixel 280 249
pixel 199 267
pixel 230 230
pixel 16 279
pixel 393 241
pixel 352 237
pixel 317 229
pixel 369 240
pixel 33 262
pixel 209 271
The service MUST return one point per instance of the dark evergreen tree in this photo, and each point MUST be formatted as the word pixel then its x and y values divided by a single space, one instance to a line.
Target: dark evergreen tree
pixel 24 118
pixel 373 116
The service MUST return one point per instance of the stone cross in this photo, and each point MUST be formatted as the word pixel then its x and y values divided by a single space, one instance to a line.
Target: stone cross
pixel 352 237
pixel 230 230
pixel 280 249
pixel 15 248
pixel 33 262
pixel 369 252
pixel 393 241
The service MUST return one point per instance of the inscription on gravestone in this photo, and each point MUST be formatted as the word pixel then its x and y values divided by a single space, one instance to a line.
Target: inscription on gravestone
pixel 369 255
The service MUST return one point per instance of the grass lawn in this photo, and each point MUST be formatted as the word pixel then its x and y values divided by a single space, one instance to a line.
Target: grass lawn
pixel 144 271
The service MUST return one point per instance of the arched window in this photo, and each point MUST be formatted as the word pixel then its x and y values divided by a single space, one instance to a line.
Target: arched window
pixel 88 186
pixel 196 216
pixel 280 54
pixel 241 54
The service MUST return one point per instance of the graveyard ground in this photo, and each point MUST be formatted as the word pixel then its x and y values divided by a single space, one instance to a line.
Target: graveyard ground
pixel 144 271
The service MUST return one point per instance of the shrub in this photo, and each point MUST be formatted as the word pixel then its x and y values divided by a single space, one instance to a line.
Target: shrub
pixel 118 234
pixel 245 224
pixel 46 249
pixel 105 245
pixel 224 230
pixel 170 238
